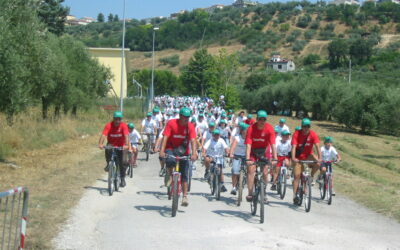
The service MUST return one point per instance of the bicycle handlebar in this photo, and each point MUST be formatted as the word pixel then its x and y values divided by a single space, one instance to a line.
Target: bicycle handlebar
pixel 308 162
pixel 113 147
pixel 177 157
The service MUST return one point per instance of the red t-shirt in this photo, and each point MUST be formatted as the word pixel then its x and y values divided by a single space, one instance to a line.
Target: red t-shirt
pixel 116 134
pixel 177 134
pixel 260 138
pixel 250 121
pixel 299 138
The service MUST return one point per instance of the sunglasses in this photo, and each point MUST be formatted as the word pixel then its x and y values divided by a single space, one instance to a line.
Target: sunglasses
pixel 262 119
pixel 306 126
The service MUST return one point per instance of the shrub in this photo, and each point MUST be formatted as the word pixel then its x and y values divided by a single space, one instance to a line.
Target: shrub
pixel 284 27
pixel 309 34
pixel 172 61
pixel 299 45
pixel 311 59
pixel 147 54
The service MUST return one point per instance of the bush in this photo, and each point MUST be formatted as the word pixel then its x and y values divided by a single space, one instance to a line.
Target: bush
pixel 147 54
pixel 284 27
pixel 311 59
pixel 304 21
pixel 314 25
pixel 309 34
pixel 299 45
pixel 172 61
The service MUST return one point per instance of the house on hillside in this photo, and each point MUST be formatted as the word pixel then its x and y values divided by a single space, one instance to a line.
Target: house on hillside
pixel 393 1
pixel 346 2
pixel 280 64
pixel 211 9
pixel 244 3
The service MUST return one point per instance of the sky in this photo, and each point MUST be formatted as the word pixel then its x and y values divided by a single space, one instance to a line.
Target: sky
pixel 138 9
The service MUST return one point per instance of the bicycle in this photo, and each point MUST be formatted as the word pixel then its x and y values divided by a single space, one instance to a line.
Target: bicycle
pixel 147 144
pixel 214 178
pixel 325 188
pixel 129 170
pixel 114 178
pixel 176 184
pixel 304 188
pixel 259 188
pixel 242 177
pixel 282 182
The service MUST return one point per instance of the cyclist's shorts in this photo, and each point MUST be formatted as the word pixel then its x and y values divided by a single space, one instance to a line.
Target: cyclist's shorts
pixel 236 164
pixel 326 165
pixel 281 159
pixel 183 166
pixel 134 145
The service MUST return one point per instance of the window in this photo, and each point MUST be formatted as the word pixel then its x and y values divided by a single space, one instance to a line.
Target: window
pixel 280 66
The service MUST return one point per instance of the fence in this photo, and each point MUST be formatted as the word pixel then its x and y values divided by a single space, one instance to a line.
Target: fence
pixel 13 217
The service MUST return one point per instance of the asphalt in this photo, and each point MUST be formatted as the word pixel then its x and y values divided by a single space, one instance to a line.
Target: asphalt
pixel 139 217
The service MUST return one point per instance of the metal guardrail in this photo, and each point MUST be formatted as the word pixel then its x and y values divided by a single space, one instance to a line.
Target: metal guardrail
pixel 13 218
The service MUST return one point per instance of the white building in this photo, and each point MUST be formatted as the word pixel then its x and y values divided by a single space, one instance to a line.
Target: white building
pixel 280 64
pixel 244 3
pixel 211 9
pixel 346 2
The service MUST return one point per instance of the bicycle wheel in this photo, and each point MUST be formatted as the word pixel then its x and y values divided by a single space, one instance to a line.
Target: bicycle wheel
pixel 307 195
pixel 322 188
pixel 217 186
pixel 110 178
pixel 147 151
pixel 240 191
pixel 329 190
pixel 175 197
pixel 261 201
pixel 282 190
pixel 255 199
pixel 300 195
pixel 117 179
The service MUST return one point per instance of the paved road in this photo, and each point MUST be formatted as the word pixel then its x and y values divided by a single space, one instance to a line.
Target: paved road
pixel 139 217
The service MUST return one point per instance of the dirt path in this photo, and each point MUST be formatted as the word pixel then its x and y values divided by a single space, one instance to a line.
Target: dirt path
pixel 139 218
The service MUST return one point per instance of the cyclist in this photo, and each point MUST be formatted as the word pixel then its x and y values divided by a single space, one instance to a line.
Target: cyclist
pixel 282 126
pixel 329 155
pixel 149 127
pixel 213 148
pixel 283 149
pixel 224 131
pixel 250 121
pixel 178 133
pixel 303 142
pixel 134 139
pixel 157 117
pixel 240 117
pixel 259 137
pixel 116 133
pixel 202 123
pixel 238 150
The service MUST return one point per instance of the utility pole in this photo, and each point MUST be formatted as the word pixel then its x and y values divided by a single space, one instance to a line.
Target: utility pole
pixel 350 71
pixel 122 61
pixel 152 70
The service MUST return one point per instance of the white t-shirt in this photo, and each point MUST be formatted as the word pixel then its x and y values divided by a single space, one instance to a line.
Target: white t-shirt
pixel 134 137
pixel 203 126
pixel 240 147
pixel 149 126
pixel 281 129
pixel 329 154
pixel 283 148
pixel 215 148
pixel 207 135
pixel 158 119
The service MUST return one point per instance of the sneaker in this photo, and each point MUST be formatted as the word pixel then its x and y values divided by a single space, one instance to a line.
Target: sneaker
pixel 333 193
pixel 296 200
pixel 233 192
pixel 273 187
pixel 162 172
pixel 106 168
pixel 185 201
pixel 312 182
pixel 123 183
pixel 223 188
pixel 266 200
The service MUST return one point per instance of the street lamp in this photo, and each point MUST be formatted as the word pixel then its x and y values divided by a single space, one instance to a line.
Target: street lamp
pixel 122 62
pixel 152 71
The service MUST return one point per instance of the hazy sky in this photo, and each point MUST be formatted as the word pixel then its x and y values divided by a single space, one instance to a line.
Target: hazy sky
pixel 138 9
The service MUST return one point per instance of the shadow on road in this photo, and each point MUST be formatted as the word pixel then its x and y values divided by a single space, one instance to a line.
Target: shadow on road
pixel 158 195
pixel 246 216
pixel 162 210
pixel 102 180
pixel 102 191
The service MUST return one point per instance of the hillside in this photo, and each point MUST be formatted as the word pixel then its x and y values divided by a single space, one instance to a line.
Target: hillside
pixel 294 29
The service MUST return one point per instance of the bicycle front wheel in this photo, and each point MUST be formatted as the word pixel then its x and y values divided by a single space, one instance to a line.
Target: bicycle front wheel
pixel 241 184
pixel 307 195
pixel 329 190
pixel 175 197
pixel 217 187
pixel 147 151
pixel 322 188
pixel 282 188
pixel 110 178
pixel 117 178
pixel 261 201
pixel 255 199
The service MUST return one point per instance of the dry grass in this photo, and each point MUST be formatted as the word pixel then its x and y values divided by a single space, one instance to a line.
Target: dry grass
pixel 370 171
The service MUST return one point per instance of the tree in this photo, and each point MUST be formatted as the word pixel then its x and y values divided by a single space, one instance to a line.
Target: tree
pixel 110 18
pixel 100 18
pixel 53 14
pixel 116 18
pixel 360 51
pixel 338 51
pixel 311 59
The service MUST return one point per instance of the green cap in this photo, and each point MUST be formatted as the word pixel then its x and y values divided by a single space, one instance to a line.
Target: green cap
pixel 149 114
pixel 262 114
pixel 131 125
pixel 306 122
pixel 328 139
pixel 201 115
pixel 193 119
pixel 222 121
pixel 230 111
pixel 163 111
pixel 156 109
pixel 249 116
pixel 298 128
pixel 229 116
pixel 169 112
pixel 216 132
pixel 223 115
pixel 276 130
pixel 241 123
pixel 185 112
pixel 211 124
pixel 285 132
pixel 118 114
pixel 243 126
pixel 282 120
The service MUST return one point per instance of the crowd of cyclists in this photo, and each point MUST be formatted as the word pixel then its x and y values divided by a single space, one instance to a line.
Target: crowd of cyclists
pixel 204 130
